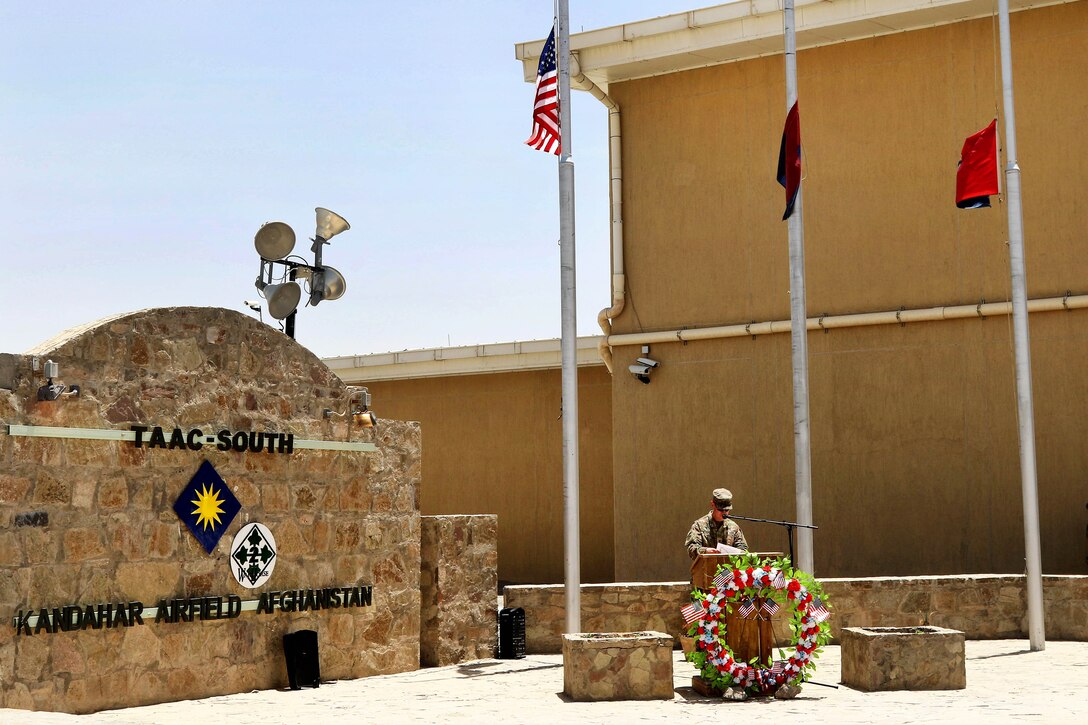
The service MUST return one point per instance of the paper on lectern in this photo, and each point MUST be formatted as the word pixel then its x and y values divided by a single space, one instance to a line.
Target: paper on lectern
pixel 726 549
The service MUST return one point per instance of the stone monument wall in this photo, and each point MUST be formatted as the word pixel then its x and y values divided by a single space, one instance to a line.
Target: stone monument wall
pixel 91 545
pixel 983 606
pixel 458 585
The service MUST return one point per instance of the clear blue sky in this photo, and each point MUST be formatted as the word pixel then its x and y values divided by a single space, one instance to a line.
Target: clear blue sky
pixel 143 144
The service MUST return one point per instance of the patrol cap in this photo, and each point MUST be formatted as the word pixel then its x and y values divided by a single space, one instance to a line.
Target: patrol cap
pixel 723 495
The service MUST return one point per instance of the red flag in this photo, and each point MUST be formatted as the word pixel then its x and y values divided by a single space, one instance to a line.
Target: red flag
pixel 545 135
pixel 789 159
pixel 976 177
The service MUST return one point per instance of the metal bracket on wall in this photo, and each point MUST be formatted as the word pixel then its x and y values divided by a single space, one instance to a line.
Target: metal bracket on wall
pixel 978 309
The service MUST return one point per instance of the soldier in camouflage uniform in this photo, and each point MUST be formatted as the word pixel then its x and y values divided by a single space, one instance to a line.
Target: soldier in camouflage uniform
pixel 714 528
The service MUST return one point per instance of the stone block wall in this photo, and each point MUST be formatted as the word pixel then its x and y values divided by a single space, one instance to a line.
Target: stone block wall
pixel 89 522
pixel 983 606
pixel 458 584
pixel 632 607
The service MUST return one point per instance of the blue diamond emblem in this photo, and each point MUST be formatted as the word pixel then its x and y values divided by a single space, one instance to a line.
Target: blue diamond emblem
pixel 207 506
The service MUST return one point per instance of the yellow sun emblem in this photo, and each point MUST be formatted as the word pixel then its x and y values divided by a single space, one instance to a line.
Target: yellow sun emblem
pixel 208 507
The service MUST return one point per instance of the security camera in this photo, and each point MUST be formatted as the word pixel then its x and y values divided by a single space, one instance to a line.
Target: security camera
pixel 648 362
pixel 637 370
pixel 253 305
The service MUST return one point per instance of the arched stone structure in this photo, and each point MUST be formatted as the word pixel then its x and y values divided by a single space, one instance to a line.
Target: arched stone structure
pixel 88 522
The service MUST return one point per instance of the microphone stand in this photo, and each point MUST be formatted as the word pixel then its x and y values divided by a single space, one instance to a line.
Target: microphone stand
pixel 790 526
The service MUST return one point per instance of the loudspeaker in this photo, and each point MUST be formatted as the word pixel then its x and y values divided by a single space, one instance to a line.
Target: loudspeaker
pixel 282 298
pixel 511 633
pixel 303 666
pixel 335 284
pixel 329 224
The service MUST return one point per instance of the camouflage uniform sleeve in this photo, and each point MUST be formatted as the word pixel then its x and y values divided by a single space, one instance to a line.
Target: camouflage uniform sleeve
pixel 696 539
pixel 737 536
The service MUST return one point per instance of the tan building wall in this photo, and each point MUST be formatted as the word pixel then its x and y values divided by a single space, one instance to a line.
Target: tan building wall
pixel 493 445
pixel 914 436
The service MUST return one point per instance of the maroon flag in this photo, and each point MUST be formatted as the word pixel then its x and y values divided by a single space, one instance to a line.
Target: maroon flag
pixel 976 176
pixel 545 135
pixel 789 159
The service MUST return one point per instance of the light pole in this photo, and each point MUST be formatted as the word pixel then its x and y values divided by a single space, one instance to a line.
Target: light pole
pixel 274 242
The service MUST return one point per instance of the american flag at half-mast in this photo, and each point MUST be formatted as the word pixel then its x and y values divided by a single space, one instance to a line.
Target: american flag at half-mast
pixel 545 135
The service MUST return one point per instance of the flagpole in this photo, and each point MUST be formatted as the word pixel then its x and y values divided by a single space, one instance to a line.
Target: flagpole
pixel 1022 346
pixel 568 342
pixel 802 457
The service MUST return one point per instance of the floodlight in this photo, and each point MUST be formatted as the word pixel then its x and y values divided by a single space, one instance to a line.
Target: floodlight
pixel 274 240
pixel 282 298
pixel 329 224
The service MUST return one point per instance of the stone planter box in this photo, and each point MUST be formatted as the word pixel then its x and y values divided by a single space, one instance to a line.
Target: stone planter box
pixel 617 666
pixel 903 658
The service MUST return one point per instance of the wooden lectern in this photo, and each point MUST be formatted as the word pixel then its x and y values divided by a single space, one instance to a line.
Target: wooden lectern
pixel 748 637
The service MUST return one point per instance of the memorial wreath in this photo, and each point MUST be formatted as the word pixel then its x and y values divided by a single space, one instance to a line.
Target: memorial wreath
pixel 751 585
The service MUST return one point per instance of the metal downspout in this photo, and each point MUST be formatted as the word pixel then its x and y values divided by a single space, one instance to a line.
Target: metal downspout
pixel 605 316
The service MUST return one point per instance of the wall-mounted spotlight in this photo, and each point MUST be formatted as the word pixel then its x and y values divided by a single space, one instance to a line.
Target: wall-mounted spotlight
pixel 51 390
pixel 359 409
pixel 274 242
pixel 643 366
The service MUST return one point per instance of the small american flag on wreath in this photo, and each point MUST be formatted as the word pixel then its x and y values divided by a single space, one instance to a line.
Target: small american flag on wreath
pixel 691 612
pixel 545 135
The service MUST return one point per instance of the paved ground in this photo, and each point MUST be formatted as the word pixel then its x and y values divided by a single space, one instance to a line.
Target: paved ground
pixel 1005 683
